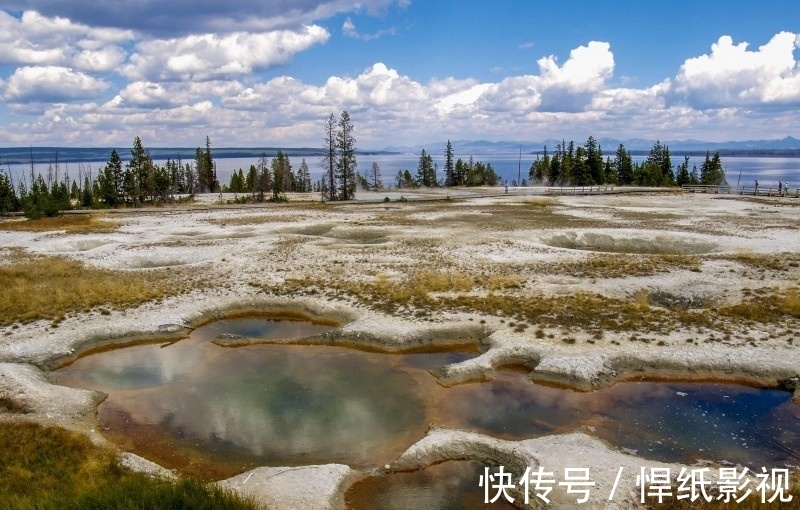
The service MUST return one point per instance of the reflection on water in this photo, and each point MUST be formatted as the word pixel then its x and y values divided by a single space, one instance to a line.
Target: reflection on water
pixel 447 486
pixel 217 411
pixel 220 411
pixel 673 422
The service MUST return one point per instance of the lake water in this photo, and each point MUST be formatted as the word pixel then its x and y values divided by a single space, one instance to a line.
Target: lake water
pixel 215 411
pixel 742 170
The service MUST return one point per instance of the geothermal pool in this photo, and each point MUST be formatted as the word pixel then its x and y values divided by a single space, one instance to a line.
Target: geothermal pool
pixel 217 411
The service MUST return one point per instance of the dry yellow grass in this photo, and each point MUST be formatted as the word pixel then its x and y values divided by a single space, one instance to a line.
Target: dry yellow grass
pixel 505 281
pixel 426 293
pixel 72 223
pixel 50 287
pixel 767 307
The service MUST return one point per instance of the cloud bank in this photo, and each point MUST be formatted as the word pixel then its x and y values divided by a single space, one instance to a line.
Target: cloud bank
pixel 75 77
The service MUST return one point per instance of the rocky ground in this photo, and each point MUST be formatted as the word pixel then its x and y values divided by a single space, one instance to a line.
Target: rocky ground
pixel 582 291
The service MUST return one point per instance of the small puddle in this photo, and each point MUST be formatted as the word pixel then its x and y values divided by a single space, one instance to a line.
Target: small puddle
pixel 451 485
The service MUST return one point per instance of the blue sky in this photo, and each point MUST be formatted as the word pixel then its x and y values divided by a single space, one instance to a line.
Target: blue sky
pixel 99 73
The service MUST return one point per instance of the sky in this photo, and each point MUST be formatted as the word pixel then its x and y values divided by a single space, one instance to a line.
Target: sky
pixel 250 73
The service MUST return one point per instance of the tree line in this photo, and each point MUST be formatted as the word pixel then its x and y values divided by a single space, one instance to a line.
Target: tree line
pixel 137 182
pixel 456 172
pixel 585 165
pixel 140 181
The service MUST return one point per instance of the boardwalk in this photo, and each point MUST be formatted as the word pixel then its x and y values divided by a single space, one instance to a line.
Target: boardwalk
pixel 764 191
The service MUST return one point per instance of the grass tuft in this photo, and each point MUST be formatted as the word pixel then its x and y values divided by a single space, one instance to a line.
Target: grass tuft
pixel 11 405
pixel 49 468
pixel 70 223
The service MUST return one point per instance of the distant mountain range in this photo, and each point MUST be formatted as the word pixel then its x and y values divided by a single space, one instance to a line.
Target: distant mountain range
pixel 788 146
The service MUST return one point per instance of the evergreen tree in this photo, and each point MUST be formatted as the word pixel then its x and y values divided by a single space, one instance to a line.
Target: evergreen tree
pixel 425 171
pixel 554 174
pixel 236 184
pixel 408 180
pixel 59 195
pixel 135 178
pixel 9 202
pixel 711 171
pixel 399 179
pixel 251 180
pixel 611 174
pixel 375 176
pixel 206 169
pixel 264 180
pixel 346 164
pixel 594 162
pixel 303 178
pixel 450 178
pixel 623 165
pixel 658 166
pixel 281 175
pixel 540 168
pixel 86 195
pixel 330 160
pixel 39 202
pixel 362 181
pixel 581 172
pixel 461 170
pixel 567 157
pixel 683 176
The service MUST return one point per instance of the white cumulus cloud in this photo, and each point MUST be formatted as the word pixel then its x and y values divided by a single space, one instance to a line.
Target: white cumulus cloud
pixel 34 39
pixel 210 56
pixel 732 75
pixel 50 84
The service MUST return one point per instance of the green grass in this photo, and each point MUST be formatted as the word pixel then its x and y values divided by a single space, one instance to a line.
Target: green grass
pixel 44 468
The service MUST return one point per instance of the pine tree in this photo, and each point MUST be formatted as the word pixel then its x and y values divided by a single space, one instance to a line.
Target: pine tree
pixel 346 165
pixel 86 194
pixel 251 181
pixel 658 166
pixel 9 202
pixel 281 172
pixel 449 167
pixel 330 160
pixel 711 171
pixel 594 162
pixel 683 176
pixel 135 178
pixel 461 170
pixel 581 175
pixel 425 173
pixel 623 164
pixel 303 178
pixel 264 180
pixel 109 181
pixel 375 176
